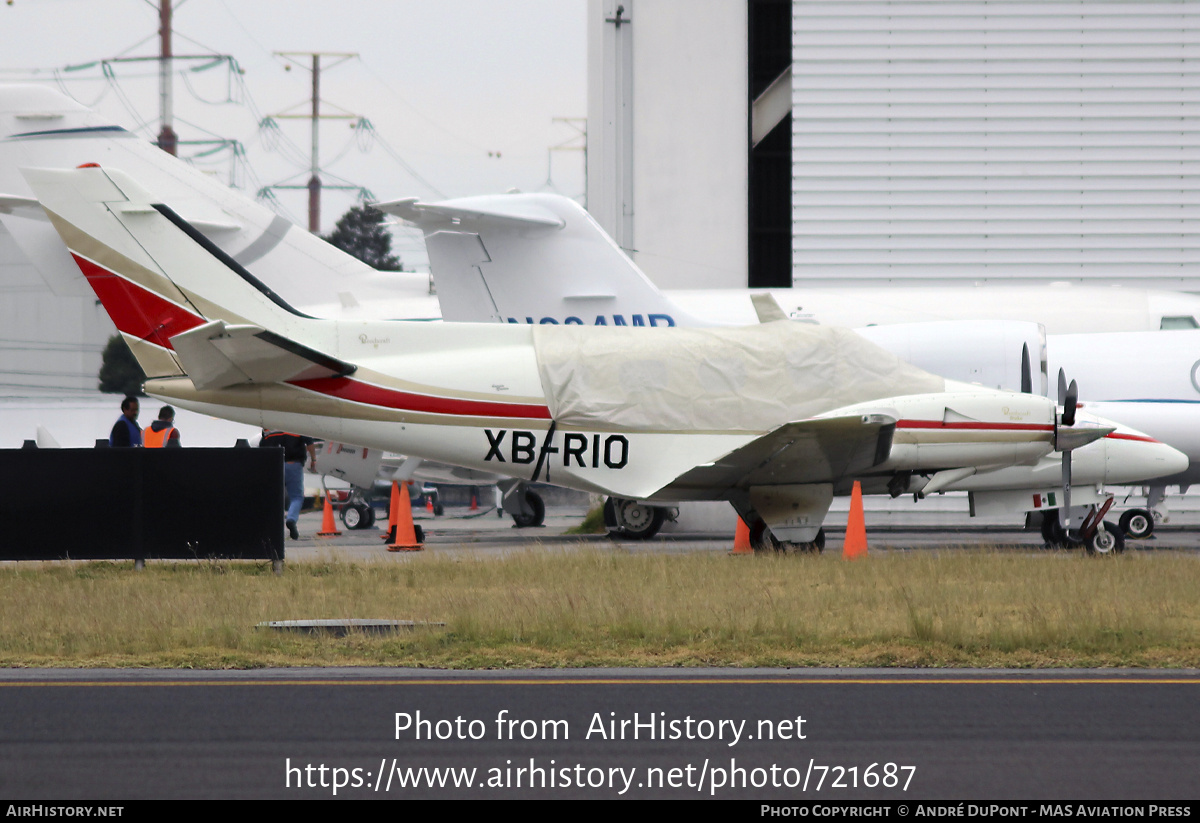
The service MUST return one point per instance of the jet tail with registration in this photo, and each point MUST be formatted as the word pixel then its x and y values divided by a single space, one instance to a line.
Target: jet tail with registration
pixel 505 257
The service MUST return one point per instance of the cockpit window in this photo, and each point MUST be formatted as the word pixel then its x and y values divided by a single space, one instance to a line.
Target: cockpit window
pixel 1184 322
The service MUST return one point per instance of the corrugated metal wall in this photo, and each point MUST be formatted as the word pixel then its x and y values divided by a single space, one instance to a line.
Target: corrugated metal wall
pixel 1018 140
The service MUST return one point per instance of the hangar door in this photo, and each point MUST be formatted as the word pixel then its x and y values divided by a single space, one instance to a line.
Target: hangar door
pixel 1023 140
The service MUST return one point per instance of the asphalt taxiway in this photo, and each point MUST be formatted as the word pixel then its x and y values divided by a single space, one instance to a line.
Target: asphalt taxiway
pixel 813 734
pixel 482 532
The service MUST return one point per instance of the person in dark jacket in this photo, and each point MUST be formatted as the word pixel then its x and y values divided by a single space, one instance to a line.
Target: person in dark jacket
pixel 126 432
pixel 295 448
pixel 162 432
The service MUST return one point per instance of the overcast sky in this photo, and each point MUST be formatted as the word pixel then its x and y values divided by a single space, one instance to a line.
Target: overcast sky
pixel 447 85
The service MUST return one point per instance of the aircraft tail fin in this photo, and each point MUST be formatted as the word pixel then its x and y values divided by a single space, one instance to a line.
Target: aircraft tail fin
pixel 42 128
pixel 535 258
pixel 767 307
pixel 183 305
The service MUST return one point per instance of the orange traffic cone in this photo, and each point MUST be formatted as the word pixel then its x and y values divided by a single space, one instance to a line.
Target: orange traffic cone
pixel 328 529
pixel 429 502
pixel 406 536
pixel 741 539
pixel 393 510
pixel 856 527
pixel 474 504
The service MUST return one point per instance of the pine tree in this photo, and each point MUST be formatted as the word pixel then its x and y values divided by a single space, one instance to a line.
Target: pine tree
pixel 361 233
pixel 120 372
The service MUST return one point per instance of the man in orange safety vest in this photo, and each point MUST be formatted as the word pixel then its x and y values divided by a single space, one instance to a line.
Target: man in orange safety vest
pixel 162 432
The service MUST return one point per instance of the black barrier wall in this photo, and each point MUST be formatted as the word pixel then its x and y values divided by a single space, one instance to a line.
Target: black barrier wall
pixel 108 504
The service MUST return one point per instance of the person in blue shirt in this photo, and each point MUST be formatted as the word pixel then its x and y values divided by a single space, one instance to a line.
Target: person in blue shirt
pixel 126 432
pixel 295 448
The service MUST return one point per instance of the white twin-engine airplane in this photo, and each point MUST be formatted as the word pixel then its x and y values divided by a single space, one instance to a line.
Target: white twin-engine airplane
pixel 775 418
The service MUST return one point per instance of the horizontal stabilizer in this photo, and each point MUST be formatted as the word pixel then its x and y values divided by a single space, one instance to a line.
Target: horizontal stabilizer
pixel 468 210
pixel 216 355
pixel 24 206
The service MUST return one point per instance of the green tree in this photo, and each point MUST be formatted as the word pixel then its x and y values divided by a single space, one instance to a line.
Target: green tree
pixel 361 233
pixel 119 369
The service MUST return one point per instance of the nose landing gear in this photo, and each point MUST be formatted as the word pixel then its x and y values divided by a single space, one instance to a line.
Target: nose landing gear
pixel 1096 535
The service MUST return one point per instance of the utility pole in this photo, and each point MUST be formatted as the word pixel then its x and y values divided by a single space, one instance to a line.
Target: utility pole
pixel 168 140
pixel 314 181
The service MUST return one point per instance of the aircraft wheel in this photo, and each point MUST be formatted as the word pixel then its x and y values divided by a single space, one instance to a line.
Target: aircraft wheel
pixel 1137 524
pixel 762 540
pixel 815 547
pixel 812 547
pixel 1052 530
pixel 438 509
pixel 637 521
pixel 352 517
pixel 370 513
pixel 611 524
pixel 539 512
pixel 1107 539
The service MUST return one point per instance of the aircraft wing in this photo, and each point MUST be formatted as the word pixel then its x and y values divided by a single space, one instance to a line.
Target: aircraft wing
pixel 216 355
pixel 820 450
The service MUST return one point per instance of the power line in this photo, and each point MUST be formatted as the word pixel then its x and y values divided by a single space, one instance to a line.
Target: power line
pixel 315 116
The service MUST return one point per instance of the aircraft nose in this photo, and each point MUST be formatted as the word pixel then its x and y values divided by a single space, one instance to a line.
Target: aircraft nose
pixel 1134 459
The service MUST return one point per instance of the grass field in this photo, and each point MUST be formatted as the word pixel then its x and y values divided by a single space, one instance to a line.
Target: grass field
pixel 544 608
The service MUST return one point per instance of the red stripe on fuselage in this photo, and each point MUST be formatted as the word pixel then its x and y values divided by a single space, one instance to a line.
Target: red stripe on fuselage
pixel 345 388
pixel 135 310
pixel 1141 438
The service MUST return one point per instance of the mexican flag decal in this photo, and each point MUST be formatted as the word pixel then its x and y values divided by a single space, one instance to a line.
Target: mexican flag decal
pixel 1044 500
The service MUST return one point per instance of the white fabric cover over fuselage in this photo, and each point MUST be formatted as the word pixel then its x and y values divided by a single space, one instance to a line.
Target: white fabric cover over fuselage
pixel 750 379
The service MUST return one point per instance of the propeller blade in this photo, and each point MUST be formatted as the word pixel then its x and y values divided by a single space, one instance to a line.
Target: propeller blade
pixel 1066 484
pixel 1026 370
pixel 1069 404
pixel 1062 387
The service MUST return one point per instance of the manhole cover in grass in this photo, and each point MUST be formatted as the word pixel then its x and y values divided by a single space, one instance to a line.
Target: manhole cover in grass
pixel 340 628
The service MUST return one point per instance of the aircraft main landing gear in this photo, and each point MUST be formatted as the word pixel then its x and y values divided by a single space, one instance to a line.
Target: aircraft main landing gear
pixel 632 520
pixel 762 540
pixel 1137 524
